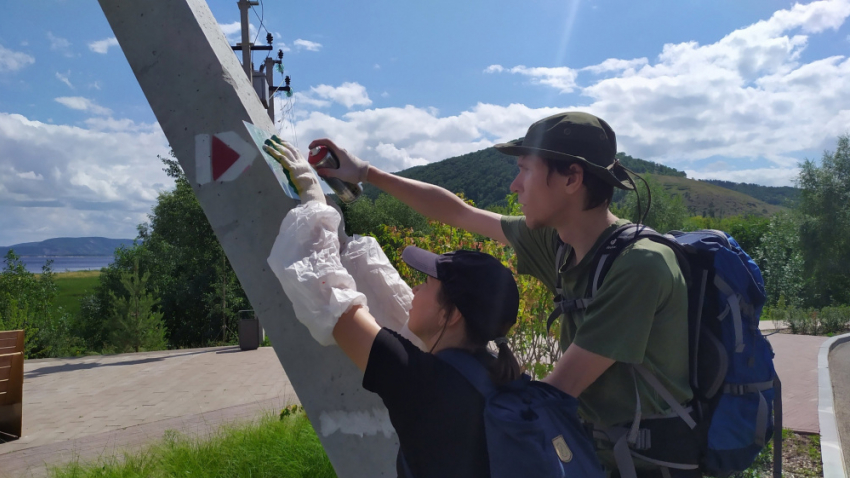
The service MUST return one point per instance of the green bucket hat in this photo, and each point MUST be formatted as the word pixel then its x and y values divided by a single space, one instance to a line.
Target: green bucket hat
pixel 576 137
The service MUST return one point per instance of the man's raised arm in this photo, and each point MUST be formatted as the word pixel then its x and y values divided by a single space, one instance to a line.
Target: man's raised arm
pixel 431 201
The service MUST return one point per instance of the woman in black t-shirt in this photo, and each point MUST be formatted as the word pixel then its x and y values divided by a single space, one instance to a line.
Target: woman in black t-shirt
pixel 468 300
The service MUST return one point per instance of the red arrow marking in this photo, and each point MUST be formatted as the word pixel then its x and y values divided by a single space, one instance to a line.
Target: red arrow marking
pixel 223 157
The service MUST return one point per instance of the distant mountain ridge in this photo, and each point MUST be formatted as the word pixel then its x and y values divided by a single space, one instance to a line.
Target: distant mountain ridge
pixel 776 195
pixel 485 177
pixel 69 246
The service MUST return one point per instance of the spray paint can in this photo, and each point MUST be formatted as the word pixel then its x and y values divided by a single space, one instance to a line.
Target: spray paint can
pixel 322 157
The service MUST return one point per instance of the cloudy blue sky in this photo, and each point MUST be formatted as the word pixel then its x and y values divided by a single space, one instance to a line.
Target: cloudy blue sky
pixel 721 89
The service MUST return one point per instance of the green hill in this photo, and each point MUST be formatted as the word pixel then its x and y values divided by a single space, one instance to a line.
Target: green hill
pixel 776 195
pixel 707 199
pixel 485 177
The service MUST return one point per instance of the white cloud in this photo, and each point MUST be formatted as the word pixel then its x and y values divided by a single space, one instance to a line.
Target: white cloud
pixel 302 99
pixel 31 175
pixel 399 138
pixel 385 95
pixel 561 78
pixel 614 64
pixel 83 104
pixel 376 66
pixel 11 60
pixel 233 31
pixel 59 180
pixel 748 95
pixel 59 44
pixel 348 94
pixel 102 46
pixel 65 78
pixel 307 45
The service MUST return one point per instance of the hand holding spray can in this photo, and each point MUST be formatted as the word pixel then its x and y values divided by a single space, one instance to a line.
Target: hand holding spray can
pixel 322 157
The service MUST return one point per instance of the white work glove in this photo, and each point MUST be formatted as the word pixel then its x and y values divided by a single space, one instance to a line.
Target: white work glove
pixel 351 168
pixel 297 168
pixel 389 297
pixel 305 259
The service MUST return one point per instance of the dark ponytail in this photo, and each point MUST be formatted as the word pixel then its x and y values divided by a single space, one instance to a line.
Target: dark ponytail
pixel 506 368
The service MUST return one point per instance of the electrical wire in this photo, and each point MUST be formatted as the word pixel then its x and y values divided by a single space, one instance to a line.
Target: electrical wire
pixel 261 17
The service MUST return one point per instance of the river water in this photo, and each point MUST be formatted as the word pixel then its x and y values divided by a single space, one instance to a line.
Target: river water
pixel 65 263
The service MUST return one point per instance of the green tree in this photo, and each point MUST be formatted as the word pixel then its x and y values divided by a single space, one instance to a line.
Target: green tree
pixel 187 267
pixel 666 212
pixel 780 259
pixel 366 216
pixel 136 325
pixel 825 231
pixel 26 302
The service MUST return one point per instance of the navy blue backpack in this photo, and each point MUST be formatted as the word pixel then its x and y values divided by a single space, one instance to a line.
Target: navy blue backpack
pixel 532 428
pixel 737 394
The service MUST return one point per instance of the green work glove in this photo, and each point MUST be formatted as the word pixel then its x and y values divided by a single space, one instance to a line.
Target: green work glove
pixel 297 168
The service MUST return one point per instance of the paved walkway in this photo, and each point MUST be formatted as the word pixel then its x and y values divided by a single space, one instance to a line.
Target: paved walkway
pixel 796 363
pixel 839 371
pixel 92 404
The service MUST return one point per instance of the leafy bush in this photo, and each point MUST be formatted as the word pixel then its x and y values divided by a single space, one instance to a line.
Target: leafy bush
pixel 834 319
pixel 26 302
pixel 810 321
pixel 536 350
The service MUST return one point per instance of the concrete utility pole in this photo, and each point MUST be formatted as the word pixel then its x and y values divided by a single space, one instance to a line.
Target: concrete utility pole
pixel 201 111
pixel 266 90
pixel 244 6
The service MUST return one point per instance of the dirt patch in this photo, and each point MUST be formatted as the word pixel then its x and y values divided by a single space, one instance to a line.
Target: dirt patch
pixel 800 458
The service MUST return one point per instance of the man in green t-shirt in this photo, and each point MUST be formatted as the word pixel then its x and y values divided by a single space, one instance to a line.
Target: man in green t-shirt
pixel 567 175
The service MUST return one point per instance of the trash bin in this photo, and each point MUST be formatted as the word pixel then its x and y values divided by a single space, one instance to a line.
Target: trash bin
pixel 250 332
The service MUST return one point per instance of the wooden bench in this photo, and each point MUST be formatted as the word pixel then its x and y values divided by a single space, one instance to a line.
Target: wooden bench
pixel 11 341
pixel 11 384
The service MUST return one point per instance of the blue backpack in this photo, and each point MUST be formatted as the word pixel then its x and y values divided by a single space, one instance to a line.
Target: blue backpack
pixel 532 428
pixel 737 394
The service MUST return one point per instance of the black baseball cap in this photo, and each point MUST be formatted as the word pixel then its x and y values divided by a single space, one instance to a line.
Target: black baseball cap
pixel 483 289
pixel 577 137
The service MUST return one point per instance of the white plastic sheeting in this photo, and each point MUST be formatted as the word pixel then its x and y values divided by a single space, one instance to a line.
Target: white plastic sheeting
pixel 323 282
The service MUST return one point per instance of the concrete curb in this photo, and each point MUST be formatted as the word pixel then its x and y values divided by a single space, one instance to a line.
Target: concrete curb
pixel 830 441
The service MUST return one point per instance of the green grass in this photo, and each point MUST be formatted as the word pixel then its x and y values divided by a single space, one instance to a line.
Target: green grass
pixel 72 286
pixel 279 447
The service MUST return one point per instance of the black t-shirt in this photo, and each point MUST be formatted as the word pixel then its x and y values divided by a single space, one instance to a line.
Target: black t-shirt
pixel 438 415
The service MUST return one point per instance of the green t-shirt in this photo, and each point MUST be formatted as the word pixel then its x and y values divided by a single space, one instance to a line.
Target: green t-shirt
pixel 639 315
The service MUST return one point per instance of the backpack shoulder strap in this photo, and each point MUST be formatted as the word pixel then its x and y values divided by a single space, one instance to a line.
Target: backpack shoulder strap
pixel 604 255
pixel 561 251
pixel 619 240
pixel 471 369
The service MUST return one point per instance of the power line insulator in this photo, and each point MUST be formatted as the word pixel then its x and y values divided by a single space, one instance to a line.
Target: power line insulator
pixel 269 38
